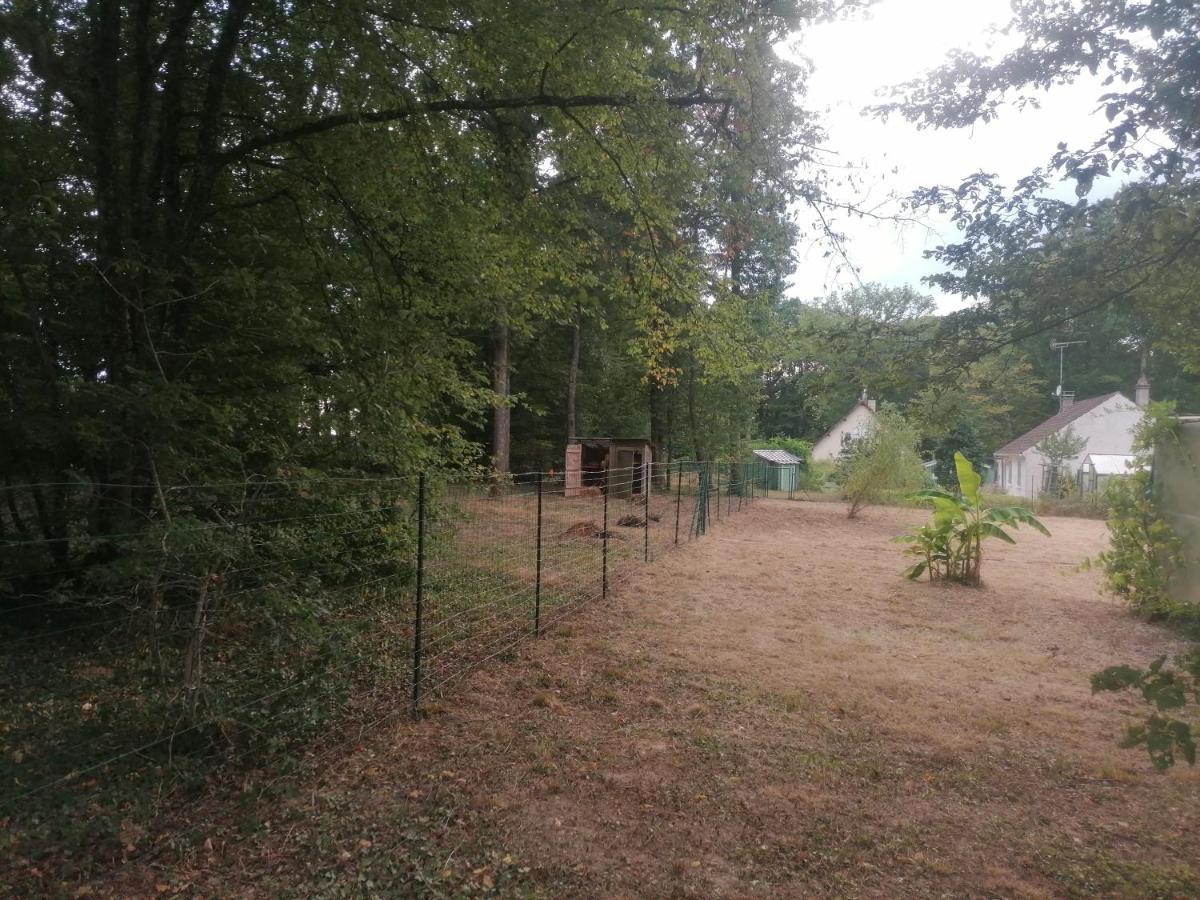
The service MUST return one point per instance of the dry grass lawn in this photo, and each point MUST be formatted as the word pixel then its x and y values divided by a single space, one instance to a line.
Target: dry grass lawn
pixel 773 711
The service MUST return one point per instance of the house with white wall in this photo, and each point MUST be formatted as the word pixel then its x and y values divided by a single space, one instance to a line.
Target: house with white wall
pixel 1106 422
pixel 854 425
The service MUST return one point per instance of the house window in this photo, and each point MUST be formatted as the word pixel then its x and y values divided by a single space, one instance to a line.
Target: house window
pixel 1020 469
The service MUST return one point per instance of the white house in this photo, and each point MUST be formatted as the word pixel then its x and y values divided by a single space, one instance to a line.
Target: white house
pixel 1107 422
pixel 853 425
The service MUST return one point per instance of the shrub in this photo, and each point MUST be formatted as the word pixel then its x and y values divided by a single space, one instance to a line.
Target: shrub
pixel 1143 553
pixel 885 460
pixel 1057 449
pixel 817 476
pixel 1144 550
pixel 950 547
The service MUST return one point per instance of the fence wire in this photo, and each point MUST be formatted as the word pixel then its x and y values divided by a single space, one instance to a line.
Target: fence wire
pixel 152 636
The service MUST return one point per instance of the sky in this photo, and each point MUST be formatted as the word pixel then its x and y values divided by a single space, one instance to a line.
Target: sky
pixel 896 41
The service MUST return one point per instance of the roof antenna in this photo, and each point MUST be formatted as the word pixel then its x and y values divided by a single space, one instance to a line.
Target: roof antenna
pixel 1061 347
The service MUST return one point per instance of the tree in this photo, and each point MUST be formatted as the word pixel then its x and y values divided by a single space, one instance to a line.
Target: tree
pixel 961 439
pixel 1058 448
pixel 883 462
pixel 261 217
pixel 1042 264
pixel 822 355
pixel 995 398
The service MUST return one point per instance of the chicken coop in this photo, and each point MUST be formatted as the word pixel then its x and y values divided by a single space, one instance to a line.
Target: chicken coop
pixel 617 466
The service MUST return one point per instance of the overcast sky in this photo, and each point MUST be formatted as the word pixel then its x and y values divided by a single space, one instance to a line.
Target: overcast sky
pixel 896 41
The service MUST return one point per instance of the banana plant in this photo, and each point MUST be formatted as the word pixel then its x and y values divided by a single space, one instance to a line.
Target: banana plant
pixel 950 546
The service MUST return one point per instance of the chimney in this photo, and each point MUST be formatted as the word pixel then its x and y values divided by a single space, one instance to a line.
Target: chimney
pixel 1066 399
pixel 1141 390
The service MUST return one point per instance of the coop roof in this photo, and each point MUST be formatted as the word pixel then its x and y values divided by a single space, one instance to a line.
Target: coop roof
pixel 606 441
pixel 780 457
pixel 1113 463
pixel 1054 424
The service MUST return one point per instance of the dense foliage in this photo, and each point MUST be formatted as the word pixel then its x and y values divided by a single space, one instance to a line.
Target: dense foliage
pixel 242 237
pixel 1120 271
pixel 1144 551
pixel 262 262
pixel 1143 555
pixel 247 242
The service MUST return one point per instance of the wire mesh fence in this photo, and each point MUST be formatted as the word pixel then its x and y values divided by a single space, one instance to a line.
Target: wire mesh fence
pixel 154 636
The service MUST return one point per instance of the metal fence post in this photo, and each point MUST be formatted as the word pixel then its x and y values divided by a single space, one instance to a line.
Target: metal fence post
pixel 604 541
pixel 707 494
pixel 678 497
pixel 537 590
pixel 718 492
pixel 418 623
pixel 647 481
pixel 698 505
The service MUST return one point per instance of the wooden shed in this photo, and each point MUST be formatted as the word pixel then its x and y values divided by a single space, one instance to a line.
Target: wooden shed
pixel 619 466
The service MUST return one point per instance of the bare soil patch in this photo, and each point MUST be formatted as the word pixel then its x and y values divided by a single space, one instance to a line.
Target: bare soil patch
pixel 773 711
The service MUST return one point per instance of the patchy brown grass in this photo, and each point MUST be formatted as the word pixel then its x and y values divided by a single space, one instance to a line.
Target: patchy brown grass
pixel 772 711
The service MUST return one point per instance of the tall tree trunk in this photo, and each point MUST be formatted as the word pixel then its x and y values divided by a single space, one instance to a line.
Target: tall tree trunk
pixel 572 381
pixel 691 409
pixel 656 438
pixel 669 425
pixel 502 420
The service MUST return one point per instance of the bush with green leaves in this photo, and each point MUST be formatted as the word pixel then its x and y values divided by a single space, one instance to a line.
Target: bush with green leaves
pixel 950 546
pixel 1144 551
pixel 884 461
pixel 817 477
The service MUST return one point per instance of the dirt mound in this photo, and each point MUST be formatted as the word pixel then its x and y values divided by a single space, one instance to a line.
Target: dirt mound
pixel 632 521
pixel 587 529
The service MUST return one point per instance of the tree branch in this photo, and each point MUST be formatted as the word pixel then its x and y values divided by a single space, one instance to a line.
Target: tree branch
pixel 463 104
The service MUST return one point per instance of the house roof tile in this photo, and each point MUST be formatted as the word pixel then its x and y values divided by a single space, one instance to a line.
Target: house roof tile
pixel 1056 422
